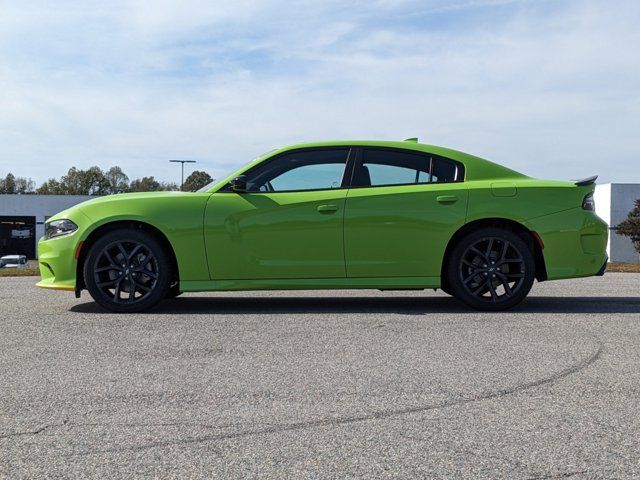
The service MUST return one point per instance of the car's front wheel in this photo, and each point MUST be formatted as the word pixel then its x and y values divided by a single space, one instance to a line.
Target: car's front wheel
pixel 127 270
pixel 491 269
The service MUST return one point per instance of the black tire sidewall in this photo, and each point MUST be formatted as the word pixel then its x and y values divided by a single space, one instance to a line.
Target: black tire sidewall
pixel 455 283
pixel 122 235
pixel 174 291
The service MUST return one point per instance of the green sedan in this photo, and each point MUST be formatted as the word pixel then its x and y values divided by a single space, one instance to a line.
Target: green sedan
pixel 333 215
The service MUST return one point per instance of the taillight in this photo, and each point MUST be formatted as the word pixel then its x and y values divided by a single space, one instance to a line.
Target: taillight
pixel 589 203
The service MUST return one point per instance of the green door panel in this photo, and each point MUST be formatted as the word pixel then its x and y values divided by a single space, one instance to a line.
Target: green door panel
pixel 280 235
pixel 403 230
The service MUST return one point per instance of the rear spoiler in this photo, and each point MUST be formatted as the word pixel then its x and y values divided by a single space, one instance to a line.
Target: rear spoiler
pixel 586 181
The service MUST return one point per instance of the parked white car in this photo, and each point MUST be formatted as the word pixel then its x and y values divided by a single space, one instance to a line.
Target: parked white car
pixel 13 261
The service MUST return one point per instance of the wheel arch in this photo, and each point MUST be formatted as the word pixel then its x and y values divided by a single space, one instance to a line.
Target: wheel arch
pixel 531 238
pixel 109 226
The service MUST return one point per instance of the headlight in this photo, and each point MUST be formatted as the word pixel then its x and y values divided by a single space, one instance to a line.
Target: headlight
pixel 57 228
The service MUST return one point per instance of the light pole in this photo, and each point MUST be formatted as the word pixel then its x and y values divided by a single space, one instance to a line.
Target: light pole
pixel 182 162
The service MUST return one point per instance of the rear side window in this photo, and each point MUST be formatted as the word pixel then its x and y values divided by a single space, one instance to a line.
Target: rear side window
pixel 395 167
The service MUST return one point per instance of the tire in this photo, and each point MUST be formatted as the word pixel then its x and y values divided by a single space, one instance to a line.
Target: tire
pixel 126 260
pixel 446 290
pixel 174 291
pixel 491 269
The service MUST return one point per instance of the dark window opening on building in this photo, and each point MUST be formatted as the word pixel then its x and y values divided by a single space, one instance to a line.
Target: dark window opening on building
pixel 18 236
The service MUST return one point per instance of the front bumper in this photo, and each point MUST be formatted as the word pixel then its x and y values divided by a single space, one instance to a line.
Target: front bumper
pixel 56 256
pixel 56 259
pixel 575 243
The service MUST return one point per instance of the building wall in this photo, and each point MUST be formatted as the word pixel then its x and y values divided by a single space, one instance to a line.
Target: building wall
pixel 614 201
pixel 602 197
pixel 39 206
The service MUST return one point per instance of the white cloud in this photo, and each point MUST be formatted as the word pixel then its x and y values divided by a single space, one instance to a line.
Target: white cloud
pixel 549 88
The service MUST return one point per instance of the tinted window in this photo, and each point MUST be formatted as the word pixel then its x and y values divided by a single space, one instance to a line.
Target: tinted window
pixel 392 167
pixel 303 170
pixel 443 170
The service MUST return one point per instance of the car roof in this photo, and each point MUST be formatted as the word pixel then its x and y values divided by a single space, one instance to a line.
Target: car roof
pixel 476 168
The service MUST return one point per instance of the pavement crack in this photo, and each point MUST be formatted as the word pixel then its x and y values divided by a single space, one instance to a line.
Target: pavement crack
pixel 558 475
pixel 34 432
pixel 379 415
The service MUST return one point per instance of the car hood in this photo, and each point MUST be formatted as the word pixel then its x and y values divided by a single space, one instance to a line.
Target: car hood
pixel 123 201
pixel 134 196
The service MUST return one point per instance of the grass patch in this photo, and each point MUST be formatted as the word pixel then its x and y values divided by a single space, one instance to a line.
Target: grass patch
pixel 20 272
pixel 623 267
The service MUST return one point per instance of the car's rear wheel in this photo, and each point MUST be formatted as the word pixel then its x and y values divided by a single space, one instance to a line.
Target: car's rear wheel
pixel 127 270
pixel 491 269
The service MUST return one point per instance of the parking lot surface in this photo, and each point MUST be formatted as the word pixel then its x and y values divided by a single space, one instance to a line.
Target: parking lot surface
pixel 330 384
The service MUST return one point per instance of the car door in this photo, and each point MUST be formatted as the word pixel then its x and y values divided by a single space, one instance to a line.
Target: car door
pixel 401 210
pixel 289 222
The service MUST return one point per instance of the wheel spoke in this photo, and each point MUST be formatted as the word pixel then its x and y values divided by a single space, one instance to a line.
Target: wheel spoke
pixel 511 260
pixel 133 252
pixel 116 293
pixel 481 290
pixel 148 273
pixel 122 250
pixel 468 263
pixel 505 247
pixel 505 284
pixel 489 247
pixel 146 260
pixel 109 268
pixel 492 290
pixel 513 275
pixel 479 253
pixel 142 286
pixel 471 277
pixel 110 259
pixel 108 283
pixel 132 289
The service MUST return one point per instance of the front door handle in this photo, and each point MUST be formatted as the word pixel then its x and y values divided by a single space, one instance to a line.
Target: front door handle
pixel 327 208
pixel 447 199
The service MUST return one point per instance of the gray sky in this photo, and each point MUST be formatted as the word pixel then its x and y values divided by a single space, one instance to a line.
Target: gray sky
pixel 550 88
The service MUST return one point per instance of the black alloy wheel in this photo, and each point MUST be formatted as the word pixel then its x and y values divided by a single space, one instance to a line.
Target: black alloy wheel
pixel 127 271
pixel 491 269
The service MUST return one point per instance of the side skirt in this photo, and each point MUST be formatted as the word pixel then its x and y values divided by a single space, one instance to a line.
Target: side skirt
pixel 384 283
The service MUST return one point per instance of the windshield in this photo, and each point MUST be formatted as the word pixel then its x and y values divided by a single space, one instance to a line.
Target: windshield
pixel 207 186
pixel 214 181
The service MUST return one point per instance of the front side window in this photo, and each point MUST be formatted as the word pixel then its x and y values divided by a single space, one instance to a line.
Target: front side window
pixel 301 170
pixel 393 167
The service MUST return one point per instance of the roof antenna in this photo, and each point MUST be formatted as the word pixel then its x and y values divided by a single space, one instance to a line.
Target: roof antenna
pixel 412 139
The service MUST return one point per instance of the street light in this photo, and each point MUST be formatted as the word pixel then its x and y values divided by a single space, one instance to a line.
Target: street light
pixel 182 162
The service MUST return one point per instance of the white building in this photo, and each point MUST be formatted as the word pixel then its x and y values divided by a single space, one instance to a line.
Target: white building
pixel 614 201
pixel 22 219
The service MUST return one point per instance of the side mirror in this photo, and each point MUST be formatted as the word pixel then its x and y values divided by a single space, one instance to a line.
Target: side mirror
pixel 239 184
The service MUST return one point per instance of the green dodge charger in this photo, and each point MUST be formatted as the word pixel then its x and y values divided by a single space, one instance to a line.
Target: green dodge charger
pixel 331 215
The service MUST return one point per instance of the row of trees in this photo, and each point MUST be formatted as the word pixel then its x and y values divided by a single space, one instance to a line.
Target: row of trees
pixel 95 181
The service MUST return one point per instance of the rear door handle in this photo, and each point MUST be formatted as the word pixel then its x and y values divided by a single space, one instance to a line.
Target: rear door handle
pixel 327 208
pixel 447 199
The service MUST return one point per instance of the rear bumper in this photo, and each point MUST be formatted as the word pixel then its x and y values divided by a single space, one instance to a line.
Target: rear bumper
pixel 602 269
pixel 575 243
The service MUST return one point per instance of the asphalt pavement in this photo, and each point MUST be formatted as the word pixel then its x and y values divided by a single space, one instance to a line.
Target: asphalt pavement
pixel 327 384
